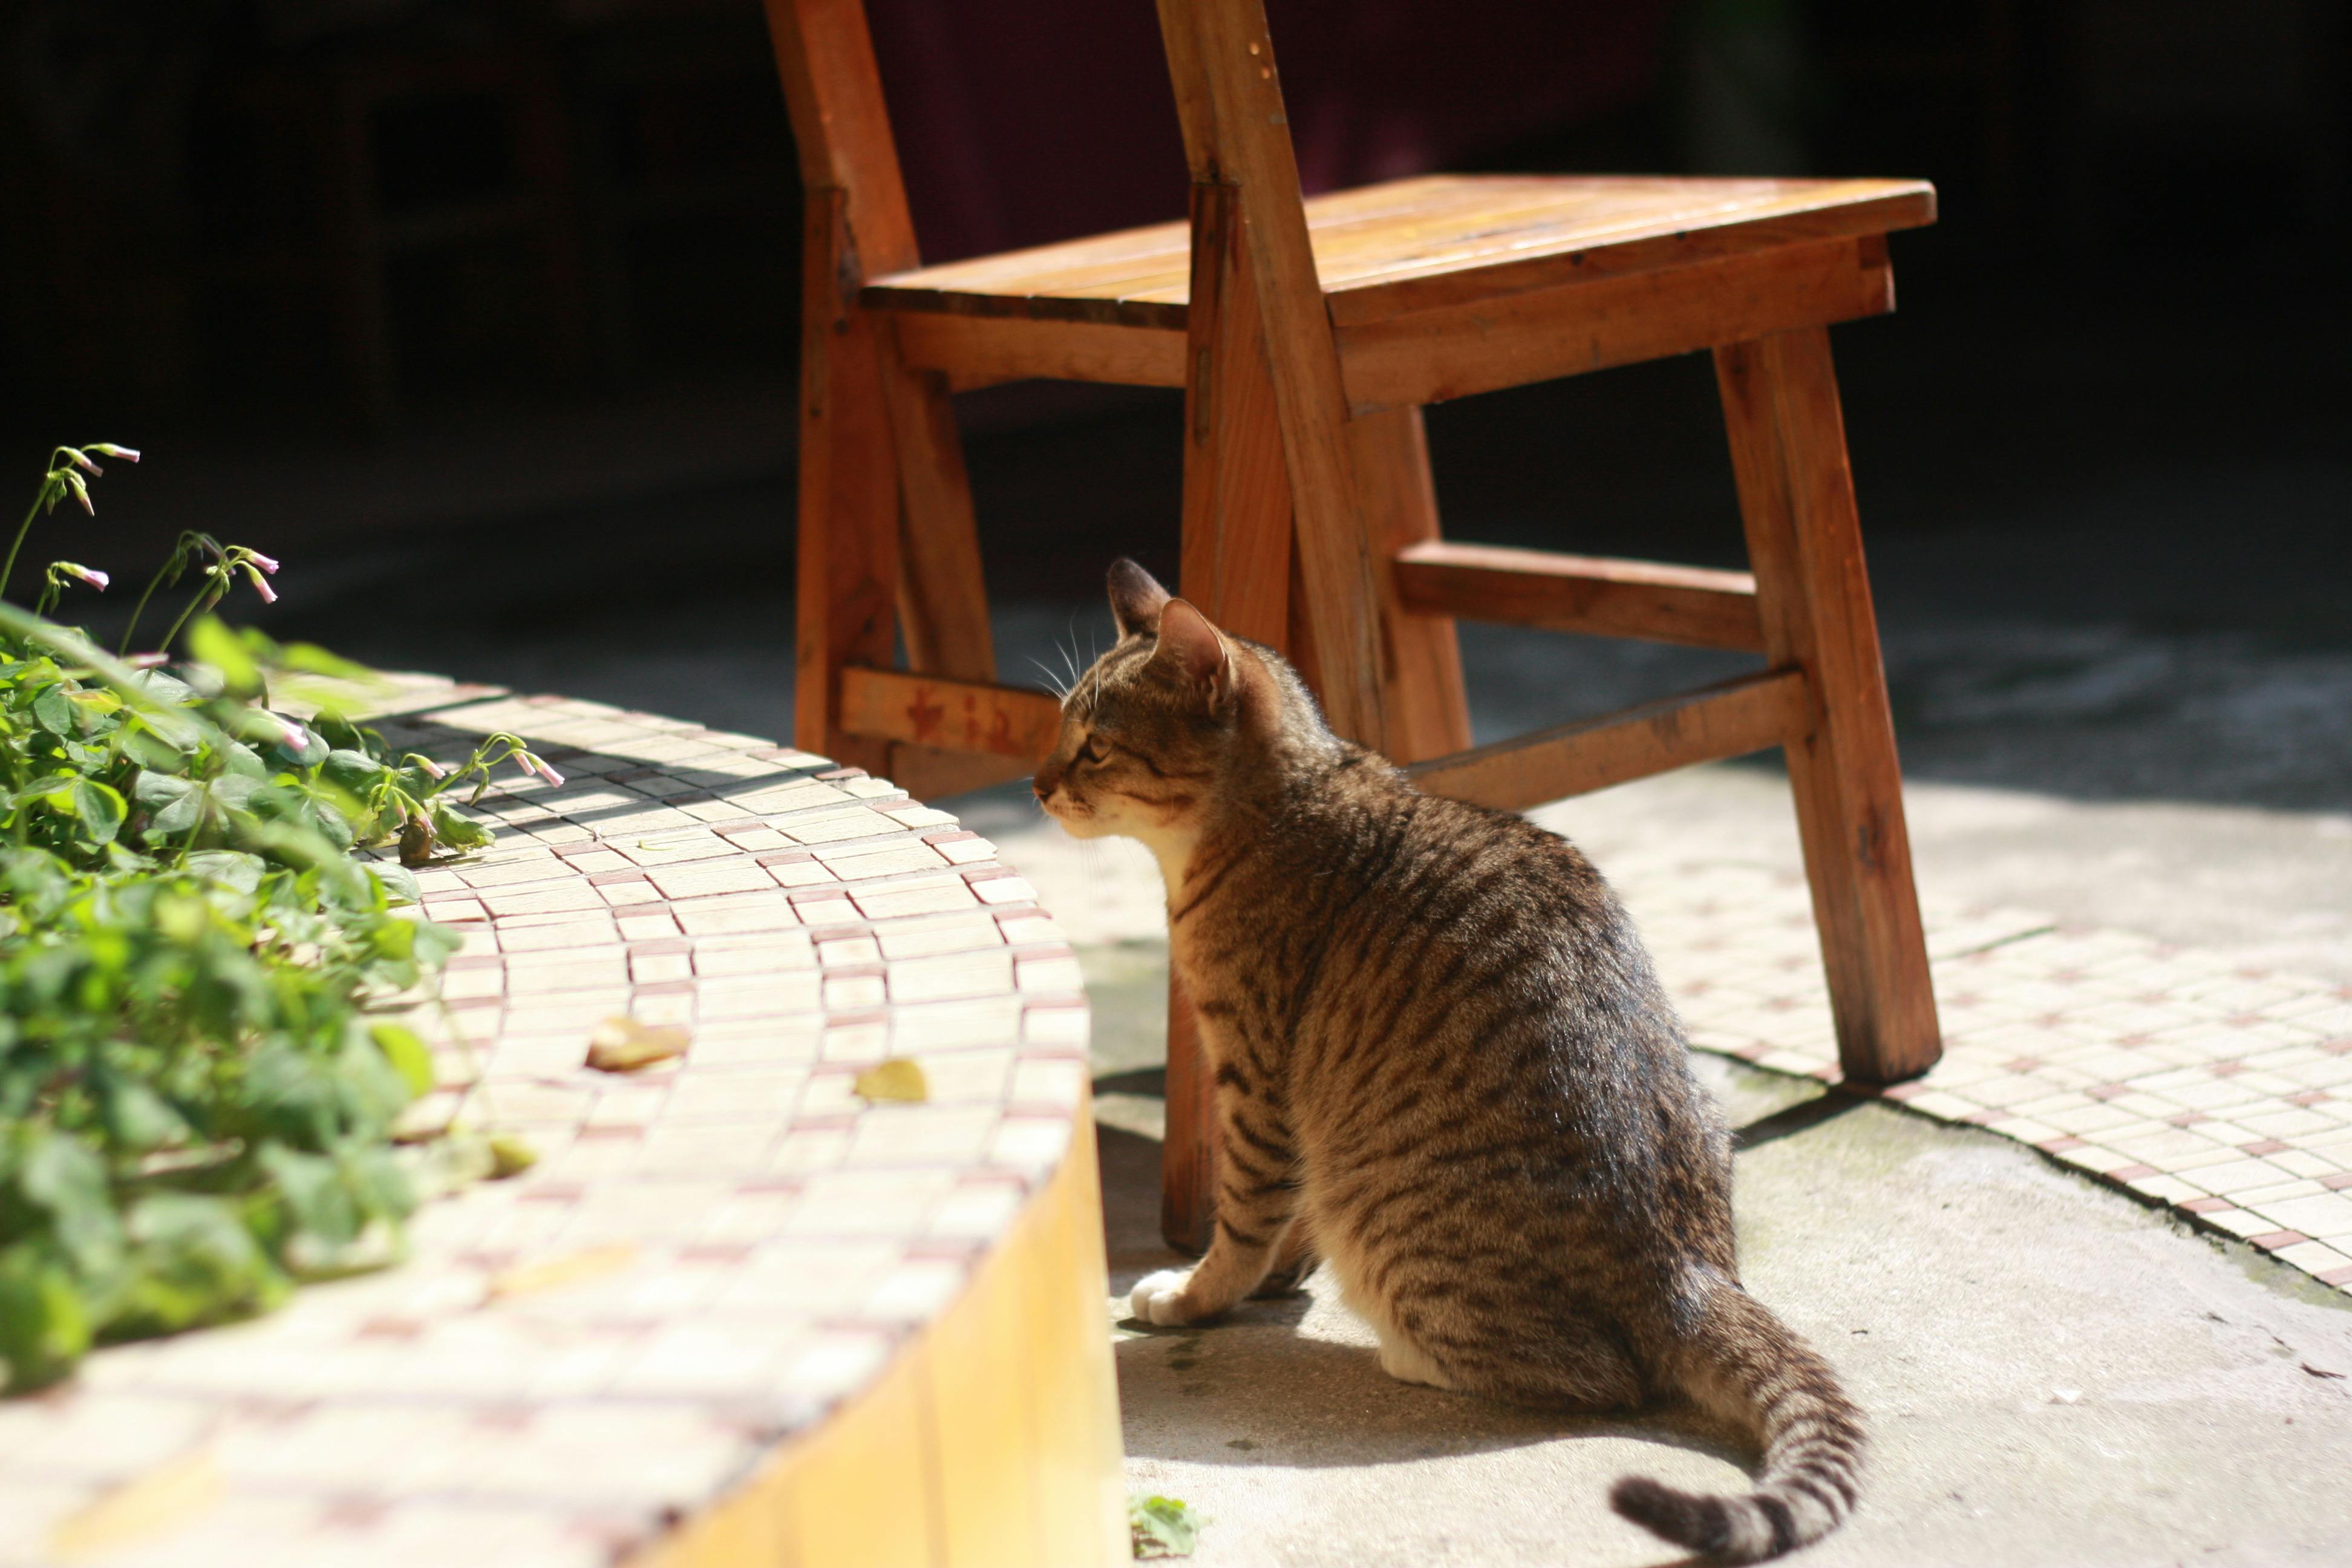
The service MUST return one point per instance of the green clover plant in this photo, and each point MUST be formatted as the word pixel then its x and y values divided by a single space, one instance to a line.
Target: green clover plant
pixel 201 1061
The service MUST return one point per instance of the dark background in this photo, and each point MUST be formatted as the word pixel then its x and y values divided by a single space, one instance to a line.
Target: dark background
pixel 482 315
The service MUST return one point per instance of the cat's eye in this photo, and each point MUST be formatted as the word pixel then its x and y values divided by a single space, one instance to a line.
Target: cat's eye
pixel 1095 750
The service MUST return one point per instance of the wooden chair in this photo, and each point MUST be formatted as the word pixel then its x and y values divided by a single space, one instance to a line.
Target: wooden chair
pixel 1307 335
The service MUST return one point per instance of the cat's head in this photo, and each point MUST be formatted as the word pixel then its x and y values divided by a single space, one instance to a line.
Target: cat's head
pixel 1174 720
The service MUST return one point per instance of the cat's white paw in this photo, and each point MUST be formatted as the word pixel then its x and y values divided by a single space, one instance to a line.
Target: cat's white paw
pixel 1408 1363
pixel 1159 1298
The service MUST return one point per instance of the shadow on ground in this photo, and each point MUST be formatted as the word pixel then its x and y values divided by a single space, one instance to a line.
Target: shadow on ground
pixel 2054 1374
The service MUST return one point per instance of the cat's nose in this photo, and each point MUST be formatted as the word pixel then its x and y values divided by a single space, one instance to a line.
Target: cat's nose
pixel 1046 781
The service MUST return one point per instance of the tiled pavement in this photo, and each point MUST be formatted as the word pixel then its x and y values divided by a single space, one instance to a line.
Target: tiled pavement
pixel 2221 1091
pixel 709 1254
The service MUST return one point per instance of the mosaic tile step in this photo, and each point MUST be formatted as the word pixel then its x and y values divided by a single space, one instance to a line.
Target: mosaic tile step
pixel 710 1255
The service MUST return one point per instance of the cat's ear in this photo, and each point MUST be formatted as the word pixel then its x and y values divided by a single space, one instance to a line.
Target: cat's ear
pixel 1136 598
pixel 1191 648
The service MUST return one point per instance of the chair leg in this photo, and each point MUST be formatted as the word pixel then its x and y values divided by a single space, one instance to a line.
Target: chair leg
pixel 848 547
pixel 1796 495
pixel 1421 660
pixel 1236 567
pixel 942 597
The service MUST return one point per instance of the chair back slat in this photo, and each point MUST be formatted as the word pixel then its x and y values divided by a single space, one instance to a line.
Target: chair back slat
pixel 834 90
pixel 1229 95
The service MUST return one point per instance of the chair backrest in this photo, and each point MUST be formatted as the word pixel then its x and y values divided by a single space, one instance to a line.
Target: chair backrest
pixel 1237 134
pixel 841 129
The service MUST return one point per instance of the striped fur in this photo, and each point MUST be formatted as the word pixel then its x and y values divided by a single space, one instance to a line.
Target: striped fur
pixel 1443 1064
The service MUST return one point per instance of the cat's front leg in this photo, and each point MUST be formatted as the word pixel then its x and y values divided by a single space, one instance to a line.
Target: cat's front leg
pixel 1257 1193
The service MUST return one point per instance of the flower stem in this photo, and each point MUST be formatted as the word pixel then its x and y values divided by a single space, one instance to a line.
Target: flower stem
pixel 215 585
pixel 23 529
pixel 172 565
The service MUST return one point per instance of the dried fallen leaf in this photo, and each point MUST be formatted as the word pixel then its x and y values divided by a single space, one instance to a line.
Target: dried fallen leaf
pixel 509 1156
pixel 896 1079
pixel 568 1270
pixel 622 1045
pixel 171 1494
pixel 2320 1371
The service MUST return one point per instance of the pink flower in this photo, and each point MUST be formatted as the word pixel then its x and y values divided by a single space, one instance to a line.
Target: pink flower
pixel 148 661
pixel 263 561
pixel 128 454
pixel 96 579
pixel 294 735
pixel 261 587
pixel 80 491
pixel 432 769
pixel 84 464
pixel 549 774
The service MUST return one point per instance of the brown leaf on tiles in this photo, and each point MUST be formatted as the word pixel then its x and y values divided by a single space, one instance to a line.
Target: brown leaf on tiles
pixel 896 1079
pixel 567 1269
pixel 2320 1371
pixel 623 1045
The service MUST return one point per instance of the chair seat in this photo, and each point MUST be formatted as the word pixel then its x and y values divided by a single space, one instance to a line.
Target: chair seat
pixel 1428 243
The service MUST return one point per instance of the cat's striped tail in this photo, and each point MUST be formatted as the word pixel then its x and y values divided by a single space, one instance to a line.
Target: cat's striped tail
pixel 1748 1367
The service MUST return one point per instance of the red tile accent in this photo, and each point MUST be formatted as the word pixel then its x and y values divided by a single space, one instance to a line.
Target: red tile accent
pixel 2059 1145
pixel 2336 1183
pixel 2107 1091
pixel 2207 1205
pixel 1986 1117
pixel 2131 1172
pixel 714 1252
pixel 2337 1276
pixel 2133 1039
pixel 391 1328
pixel 782 856
pixel 2263 1146
pixel 2022 1064
pixel 2189 1118
pixel 844 773
pixel 949 836
pixel 2272 1240
pixel 2338 1048
pixel 354 1513
pixel 2243 1020
pixel 2227 1070
pixel 2309 1097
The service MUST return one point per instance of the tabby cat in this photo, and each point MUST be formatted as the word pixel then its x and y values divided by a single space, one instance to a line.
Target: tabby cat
pixel 1443 1063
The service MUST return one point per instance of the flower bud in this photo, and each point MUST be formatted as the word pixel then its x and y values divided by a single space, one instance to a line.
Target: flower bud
pixel 96 579
pixel 128 454
pixel 263 561
pixel 261 587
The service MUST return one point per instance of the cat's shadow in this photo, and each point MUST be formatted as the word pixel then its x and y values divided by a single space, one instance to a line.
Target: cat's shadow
pixel 1293 1381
